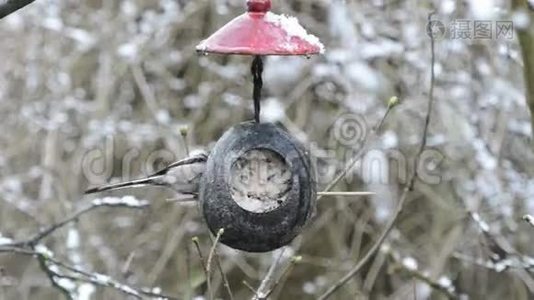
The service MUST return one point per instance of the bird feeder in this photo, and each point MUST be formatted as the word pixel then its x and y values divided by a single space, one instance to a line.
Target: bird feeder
pixel 259 184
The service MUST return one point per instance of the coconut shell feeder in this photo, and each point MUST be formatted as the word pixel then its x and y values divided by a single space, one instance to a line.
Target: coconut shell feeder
pixel 259 184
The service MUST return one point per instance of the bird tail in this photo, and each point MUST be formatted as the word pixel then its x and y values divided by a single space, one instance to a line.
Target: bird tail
pixel 121 185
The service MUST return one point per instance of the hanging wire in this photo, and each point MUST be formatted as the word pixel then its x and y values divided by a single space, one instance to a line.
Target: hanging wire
pixel 257 70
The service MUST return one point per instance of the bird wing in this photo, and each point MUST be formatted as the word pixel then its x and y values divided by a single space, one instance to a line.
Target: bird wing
pixel 189 160
pixel 120 185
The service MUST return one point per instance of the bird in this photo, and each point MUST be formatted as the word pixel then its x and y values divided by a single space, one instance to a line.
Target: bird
pixel 182 176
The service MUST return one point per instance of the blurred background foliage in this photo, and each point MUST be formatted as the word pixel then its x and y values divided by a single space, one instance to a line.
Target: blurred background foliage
pixel 113 82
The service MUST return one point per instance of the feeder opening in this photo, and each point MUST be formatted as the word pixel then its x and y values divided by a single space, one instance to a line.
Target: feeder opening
pixel 260 180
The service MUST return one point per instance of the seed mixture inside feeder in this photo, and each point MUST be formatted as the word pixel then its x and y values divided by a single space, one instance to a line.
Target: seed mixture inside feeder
pixel 261 181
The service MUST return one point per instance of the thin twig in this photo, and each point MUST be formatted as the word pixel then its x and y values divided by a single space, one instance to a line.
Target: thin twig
pixel 346 194
pixel 259 293
pixel 52 276
pixel 210 259
pixel 525 36
pixel 444 287
pixel 11 6
pixel 184 131
pixel 200 256
pixel 146 90
pixel 248 286
pixel 287 270
pixel 393 101
pixel 405 192
pixel 28 247
pixel 352 163
pixel 52 228
pixel 226 283
pixel 46 261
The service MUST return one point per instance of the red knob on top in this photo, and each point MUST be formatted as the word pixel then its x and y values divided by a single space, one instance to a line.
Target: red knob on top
pixel 261 6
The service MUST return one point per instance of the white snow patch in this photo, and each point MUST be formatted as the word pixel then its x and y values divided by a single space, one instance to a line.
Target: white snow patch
pixel 521 19
pixel 42 249
pixel 123 201
pixel 410 263
pixel 127 289
pixel 528 218
pixel 66 283
pixel 447 6
pixel 502 265
pixel 483 10
pixel 85 39
pixel 288 253
pixel 163 116
pixel 102 279
pixel 309 288
pixel 128 51
pixel 482 224
pixel 272 110
pixel 363 75
pixel 73 238
pixel 129 8
pixel 390 139
pixel 381 48
pixel 445 282
pixel 486 159
pixel 53 24
pixel 293 29
pixel 85 291
pixel 4 240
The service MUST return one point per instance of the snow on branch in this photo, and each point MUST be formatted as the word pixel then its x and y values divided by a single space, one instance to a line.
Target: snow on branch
pixel 529 219
pixel 127 201
pixel 410 265
pixel 64 276
pixel 115 202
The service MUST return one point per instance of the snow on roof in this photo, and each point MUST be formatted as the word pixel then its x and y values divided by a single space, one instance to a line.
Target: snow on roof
pixel 293 28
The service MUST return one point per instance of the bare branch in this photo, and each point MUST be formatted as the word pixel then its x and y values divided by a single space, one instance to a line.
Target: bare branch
pixel 210 259
pixel 443 285
pixel 345 194
pixel 199 252
pixel 261 291
pixel 52 267
pixel 124 202
pixel 406 191
pixel 526 43
pixel 394 101
pixel 294 260
pixel 52 276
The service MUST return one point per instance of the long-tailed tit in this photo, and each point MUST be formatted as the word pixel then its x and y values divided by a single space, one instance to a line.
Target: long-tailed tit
pixel 182 176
